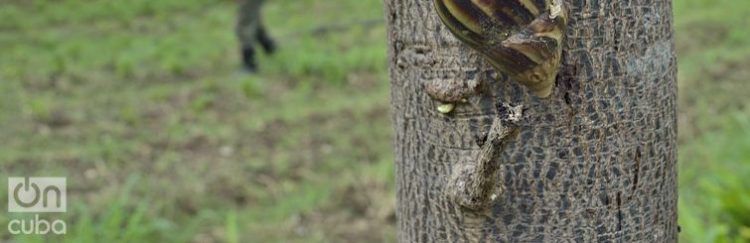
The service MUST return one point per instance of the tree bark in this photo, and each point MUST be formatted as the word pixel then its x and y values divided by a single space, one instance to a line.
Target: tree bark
pixel 596 161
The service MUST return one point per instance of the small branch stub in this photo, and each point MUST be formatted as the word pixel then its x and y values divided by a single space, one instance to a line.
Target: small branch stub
pixel 473 182
pixel 520 38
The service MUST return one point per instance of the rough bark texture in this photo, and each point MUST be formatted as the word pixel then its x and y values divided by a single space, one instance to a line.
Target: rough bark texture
pixel 593 162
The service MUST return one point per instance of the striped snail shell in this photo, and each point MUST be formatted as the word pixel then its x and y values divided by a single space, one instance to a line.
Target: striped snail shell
pixel 520 38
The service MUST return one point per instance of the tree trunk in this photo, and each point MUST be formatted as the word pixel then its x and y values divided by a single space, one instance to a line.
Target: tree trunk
pixel 596 161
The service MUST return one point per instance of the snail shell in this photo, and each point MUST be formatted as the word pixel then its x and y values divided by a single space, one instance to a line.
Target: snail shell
pixel 520 38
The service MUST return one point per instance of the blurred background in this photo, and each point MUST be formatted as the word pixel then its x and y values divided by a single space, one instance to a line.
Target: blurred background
pixel 144 107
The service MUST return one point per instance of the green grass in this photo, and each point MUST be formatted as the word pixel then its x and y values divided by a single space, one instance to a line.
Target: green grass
pixel 714 111
pixel 142 106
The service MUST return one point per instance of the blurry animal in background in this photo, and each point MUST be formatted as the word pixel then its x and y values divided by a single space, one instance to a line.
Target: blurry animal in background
pixel 251 31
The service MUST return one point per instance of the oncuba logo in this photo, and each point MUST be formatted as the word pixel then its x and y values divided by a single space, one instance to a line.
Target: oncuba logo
pixel 37 195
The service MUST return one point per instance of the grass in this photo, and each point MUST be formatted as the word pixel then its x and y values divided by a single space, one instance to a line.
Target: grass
pixel 714 125
pixel 142 106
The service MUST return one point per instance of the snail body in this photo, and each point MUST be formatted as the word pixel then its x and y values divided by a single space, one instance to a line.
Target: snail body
pixel 520 38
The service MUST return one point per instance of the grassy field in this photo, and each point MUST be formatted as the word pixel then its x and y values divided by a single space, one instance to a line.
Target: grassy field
pixel 141 104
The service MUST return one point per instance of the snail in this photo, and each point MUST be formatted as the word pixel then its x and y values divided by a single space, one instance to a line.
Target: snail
pixel 520 38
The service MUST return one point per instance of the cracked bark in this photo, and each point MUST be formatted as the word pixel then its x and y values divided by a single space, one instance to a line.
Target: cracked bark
pixel 593 162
